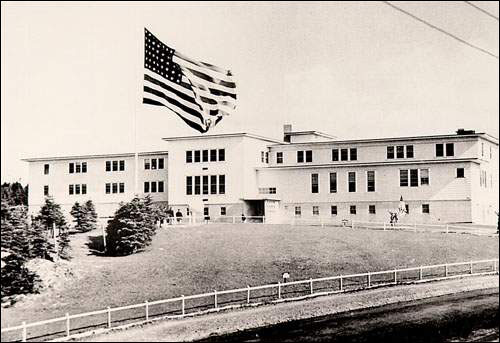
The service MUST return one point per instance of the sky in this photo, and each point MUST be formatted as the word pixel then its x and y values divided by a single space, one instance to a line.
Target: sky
pixel 71 73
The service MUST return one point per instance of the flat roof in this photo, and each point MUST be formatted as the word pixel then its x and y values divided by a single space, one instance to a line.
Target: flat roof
pixel 224 135
pixel 317 133
pixel 483 135
pixel 77 157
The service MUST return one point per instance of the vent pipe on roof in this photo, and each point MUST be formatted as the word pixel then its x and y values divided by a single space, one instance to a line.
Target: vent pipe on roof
pixel 287 128
pixel 465 132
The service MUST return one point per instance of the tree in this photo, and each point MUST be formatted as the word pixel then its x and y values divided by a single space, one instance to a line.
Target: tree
pixel 16 278
pixel 40 244
pixel 51 214
pixel 85 216
pixel 15 231
pixel 91 215
pixel 14 194
pixel 132 228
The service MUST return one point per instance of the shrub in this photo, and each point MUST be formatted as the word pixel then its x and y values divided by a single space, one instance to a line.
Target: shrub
pixel 85 216
pixel 16 278
pixel 132 228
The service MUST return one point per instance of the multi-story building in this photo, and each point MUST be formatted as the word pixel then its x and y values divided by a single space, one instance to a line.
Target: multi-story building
pixel 441 178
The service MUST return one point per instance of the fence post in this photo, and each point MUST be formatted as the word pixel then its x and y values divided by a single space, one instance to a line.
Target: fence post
pixel 321 222
pixel 234 220
pixel 67 324
pixel 215 298
pixel 183 305
pixel 109 317
pixel 384 226
pixel 341 285
pixel 415 227
pixel 369 280
pixel 248 294
pixel 103 236
pixel 352 224
pixel 24 332
pixel 447 229
pixel 494 265
pixel 147 309
pixel 279 290
pixel 420 273
pixel 471 267
pixel 445 270
pixel 395 277
pixel 311 282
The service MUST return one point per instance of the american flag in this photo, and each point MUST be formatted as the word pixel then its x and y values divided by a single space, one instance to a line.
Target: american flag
pixel 201 94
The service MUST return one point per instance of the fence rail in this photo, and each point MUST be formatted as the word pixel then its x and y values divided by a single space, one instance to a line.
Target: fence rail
pixel 280 290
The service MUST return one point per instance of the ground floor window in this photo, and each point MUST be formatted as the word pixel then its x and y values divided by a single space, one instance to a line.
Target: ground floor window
pixel 223 211
pixel 315 210
pixel 334 210
pixel 352 209
pixel 425 208
pixel 371 209
pixel 298 211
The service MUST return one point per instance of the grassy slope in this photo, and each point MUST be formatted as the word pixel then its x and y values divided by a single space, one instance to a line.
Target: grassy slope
pixel 199 259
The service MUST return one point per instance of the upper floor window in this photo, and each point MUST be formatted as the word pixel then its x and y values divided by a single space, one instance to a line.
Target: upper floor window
pixel 353 152
pixel 351 181
pixel 71 168
pixel 204 156
pixel 267 190
pixel 205 185
pixel 122 165
pixel 189 156
pixel 309 156
pixel 197 156
pixel 424 177
pixel 482 149
pixel 222 155
pixel 108 188
pixel 78 167
pixel 450 149
pixel 154 164
pixel 45 190
pixel 413 177
pixel 403 178
pixel 300 156
pixel 344 154
pixel 222 184
pixel 46 169
pixel 370 181
pixel 121 187
pixel 314 183
pixel 409 151
pixel 390 152
pixel 439 150
pixel 400 151
pixel 333 182
pixel 189 185
pixel 115 165
pixel 335 155
pixel 213 155
pixel 108 166
pixel 279 157
pixel 460 172
pixel 161 187
pixel 213 184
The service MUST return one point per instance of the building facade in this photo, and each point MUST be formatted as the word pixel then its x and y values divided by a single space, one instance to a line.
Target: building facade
pixel 308 174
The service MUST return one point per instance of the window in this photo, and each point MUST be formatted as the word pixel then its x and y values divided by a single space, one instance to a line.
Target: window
pixel 153 187
pixel 309 156
pixel 300 156
pixel 352 209
pixel 84 167
pixel 370 181
pixel 403 178
pixel 353 153
pixel 222 155
pixel 189 185
pixel 424 177
pixel 205 184
pixel 223 211
pixel 153 163
pixel 450 149
pixel 204 155
pixel 197 155
pixel 45 190
pixel 267 157
pixel 413 177
pixel 352 181
pixel 267 190
pixel 121 187
pixel 425 208
pixel 77 189
pixel 298 211
pixel 390 152
pixel 314 183
pixel 335 155
pixel 84 189
pixel 213 155
pixel 115 188
pixel 400 151
pixel 213 184
pixel 262 156
pixel 197 181
pixel 71 168
pixel 279 157
pixel 344 154
pixel 222 184
pixel 71 190
pixel 333 182
pixel 206 211
pixel 315 210
pixel 115 165
pixel 482 149
pixel 46 169
pixel 460 172
pixel 407 208
pixel 439 150
pixel 146 187
pixel 108 188
pixel 189 157
pixel 371 209
pixel 122 165
pixel 409 151
pixel 333 210
pixel 108 166
pixel 78 167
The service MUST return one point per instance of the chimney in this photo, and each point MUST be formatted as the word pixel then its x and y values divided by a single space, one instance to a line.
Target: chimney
pixel 465 132
pixel 287 128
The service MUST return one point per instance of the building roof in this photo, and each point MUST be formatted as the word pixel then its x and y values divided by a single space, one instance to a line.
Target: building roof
pixel 223 135
pixel 483 135
pixel 79 157
pixel 316 133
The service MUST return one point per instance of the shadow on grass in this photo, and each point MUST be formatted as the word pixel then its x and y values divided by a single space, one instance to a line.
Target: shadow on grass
pixel 96 245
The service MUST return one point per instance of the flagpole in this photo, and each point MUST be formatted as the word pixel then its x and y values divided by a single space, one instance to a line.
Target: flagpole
pixel 139 37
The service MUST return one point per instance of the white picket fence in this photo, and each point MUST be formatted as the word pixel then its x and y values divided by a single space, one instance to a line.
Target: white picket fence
pixel 278 292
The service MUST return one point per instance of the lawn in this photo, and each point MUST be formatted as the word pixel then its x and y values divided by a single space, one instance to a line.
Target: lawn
pixel 191 260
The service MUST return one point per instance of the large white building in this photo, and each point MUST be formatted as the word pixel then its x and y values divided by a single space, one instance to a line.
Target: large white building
pixel 442 178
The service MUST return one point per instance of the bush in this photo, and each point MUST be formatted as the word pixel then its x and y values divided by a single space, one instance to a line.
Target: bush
pixel 85 216
pixel 16 278
pixel 132 228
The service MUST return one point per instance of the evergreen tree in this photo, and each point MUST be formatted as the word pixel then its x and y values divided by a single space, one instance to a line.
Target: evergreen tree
pixel 51 214
pixel 85 216
pixel 15 231
pixel 77 212
pixel 91 215
pixel 41 246
pixel 132 228
pixel 15 277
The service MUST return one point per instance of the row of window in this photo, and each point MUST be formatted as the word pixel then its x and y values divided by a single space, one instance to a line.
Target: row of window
pixel 483 179
pixel 115 187
pixel 399 151
pixel 77 189
pixel 77 167
pixel 115 165
pixel 154 163
pixel 351 182
pixel 448 148
pixel 410 177
pixel 206 184
pixel 209 155
pixel 206 211
pixel 154 186
pixel 267 190
pixel 264 157
pixel 352 210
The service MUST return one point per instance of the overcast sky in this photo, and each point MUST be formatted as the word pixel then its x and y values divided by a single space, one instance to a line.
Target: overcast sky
pixel 72 73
